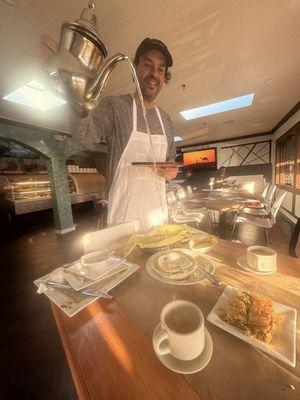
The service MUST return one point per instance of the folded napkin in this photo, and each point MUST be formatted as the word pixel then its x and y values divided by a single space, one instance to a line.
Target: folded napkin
pixel 161 236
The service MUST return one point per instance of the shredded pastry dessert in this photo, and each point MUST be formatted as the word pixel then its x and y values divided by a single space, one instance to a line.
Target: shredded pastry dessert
pixel 252 313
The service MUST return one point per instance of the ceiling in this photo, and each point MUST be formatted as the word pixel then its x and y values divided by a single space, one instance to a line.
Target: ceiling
pixel 221 49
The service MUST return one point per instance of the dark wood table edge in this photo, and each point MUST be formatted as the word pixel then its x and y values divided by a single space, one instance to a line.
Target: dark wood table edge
pixel 74 365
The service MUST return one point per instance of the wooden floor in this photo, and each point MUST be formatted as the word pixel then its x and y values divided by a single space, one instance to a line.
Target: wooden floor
pixel 33 365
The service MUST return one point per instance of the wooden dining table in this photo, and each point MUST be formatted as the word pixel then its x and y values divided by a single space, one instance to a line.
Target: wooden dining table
pixel 109 349
pixel 224 202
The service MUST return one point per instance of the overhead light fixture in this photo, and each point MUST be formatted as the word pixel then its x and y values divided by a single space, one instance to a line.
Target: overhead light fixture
pixel 34 95
pixel 178 138
pixel 216 108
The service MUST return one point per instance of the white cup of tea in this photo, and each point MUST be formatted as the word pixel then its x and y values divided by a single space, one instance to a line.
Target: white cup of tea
pixel 181 332
pixel 261 258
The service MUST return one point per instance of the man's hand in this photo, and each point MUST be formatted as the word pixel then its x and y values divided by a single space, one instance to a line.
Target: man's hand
pixel 167 172
pixel 45 49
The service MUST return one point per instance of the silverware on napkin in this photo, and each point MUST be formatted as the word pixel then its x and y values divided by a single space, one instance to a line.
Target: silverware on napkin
pixel 86 292
pixel 212 278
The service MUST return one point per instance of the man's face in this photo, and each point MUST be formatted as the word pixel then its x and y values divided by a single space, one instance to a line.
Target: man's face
pixel 151 71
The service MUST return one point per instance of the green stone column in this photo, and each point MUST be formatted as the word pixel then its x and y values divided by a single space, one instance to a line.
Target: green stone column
pixel 62 210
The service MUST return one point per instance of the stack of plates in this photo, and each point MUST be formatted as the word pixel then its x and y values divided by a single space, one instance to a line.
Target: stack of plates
pixel 174 264
pixel 91 268
pixel 100 272
pixel 179 266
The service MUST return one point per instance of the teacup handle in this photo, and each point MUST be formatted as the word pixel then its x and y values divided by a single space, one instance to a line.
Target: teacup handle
pixel 260 264
pixel 158 340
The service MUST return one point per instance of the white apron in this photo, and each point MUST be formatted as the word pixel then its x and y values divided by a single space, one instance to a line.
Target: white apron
pixel 137 192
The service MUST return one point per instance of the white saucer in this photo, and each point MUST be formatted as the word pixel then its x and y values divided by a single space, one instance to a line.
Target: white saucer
pixel 188 367
pixel 242 262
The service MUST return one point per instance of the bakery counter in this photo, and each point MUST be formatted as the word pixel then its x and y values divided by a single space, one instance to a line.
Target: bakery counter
pixel 26 193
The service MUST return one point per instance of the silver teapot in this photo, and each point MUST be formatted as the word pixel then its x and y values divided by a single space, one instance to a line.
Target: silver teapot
pixel 76 71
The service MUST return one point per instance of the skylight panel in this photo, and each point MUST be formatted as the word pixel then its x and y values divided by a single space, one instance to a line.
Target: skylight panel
pixel 178 138
pixel 34 95
pixel 216 108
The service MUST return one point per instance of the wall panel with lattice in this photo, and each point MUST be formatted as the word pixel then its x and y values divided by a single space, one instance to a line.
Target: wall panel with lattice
pixel 246 154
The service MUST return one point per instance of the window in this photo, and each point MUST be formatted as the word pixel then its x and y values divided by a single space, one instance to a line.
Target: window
pixel 288 159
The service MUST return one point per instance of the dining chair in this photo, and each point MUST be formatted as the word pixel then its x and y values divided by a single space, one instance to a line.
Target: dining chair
pixel 270 195
pixel 265 191
pixel 100 206
pixel 266 222
pixel 177 214
pixel 189 191
pixel 108 237
pixel 265 207
pixel 181 194
pixel 294 239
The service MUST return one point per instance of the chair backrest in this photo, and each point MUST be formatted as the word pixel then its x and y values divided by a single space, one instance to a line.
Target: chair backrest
pixel 265 191
pixel 189 191
pixel 277 203
pixel 109 237
pixel 171 198
pixel 248 186
pixel 181 195
pixel 270 194
pixel 294 239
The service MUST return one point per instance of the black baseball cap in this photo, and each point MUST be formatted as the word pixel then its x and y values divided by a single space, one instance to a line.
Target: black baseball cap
pixel 153 44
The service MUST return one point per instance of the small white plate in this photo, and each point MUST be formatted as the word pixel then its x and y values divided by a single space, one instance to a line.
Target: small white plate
pixel 96 272
pixel 242 262
pixel 283 343
pixel 205 249
pixel 204 262
pixel 191 366
pixel 79 281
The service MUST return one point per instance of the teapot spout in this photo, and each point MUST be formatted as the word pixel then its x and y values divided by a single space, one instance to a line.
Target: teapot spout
pixel 95 87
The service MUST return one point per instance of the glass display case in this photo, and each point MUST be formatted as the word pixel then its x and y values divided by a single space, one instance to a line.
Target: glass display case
pixel 32 192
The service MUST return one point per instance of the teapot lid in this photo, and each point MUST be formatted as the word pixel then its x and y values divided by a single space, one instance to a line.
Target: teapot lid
pixel 87 26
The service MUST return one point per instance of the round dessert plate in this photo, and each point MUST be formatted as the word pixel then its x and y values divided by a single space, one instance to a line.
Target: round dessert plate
pixel 191 366
pixel 242 262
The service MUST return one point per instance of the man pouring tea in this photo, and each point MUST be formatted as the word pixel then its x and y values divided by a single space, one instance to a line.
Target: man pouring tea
pixel 135 192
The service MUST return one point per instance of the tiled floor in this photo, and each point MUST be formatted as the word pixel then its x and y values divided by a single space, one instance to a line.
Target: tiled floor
pixel 33 364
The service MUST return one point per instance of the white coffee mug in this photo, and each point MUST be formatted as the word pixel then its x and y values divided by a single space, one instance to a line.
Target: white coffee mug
pixel 182 331
pixel 261 258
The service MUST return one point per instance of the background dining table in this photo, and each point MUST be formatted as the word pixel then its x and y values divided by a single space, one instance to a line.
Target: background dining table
pixel 108 345
pixel 224 202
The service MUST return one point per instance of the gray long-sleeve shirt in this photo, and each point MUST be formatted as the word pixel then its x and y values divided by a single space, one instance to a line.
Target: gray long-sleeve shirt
pixel 111 121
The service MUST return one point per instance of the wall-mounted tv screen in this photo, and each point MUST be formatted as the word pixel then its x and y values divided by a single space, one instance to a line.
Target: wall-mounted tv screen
pixel 206 158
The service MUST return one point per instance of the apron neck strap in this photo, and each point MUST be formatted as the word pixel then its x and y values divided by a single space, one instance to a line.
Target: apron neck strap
pixel 134 116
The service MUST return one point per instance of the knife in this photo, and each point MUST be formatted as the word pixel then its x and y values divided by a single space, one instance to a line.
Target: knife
pixel 87 292
pixel 212 278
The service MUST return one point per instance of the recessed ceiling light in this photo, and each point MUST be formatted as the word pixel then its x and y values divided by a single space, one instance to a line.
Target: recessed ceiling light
pixel 34 95
pixel 216 108
pixel 178 138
